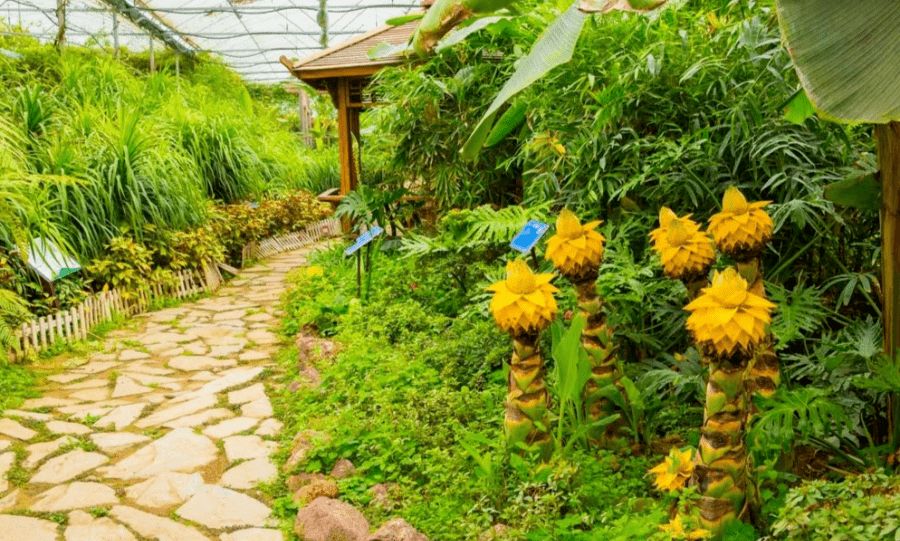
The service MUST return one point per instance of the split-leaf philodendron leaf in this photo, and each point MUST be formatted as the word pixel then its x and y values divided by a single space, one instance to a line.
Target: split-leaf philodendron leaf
pixel 847 56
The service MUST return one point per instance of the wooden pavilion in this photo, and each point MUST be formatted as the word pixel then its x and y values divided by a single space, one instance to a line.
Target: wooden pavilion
pixel 344 71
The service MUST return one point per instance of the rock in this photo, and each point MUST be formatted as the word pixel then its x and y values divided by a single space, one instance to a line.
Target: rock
pixel 84 527
pixel 224 351
pixel 75 496
pixel 216 507
pixel 132 355
pixel 113 442
pixel 342 468
pixel 61 427
pixel 269 428
pixel 201 418
pixel 169 414
pixel 126 386
pixel 326 519
pixel 247 475
pixel 122 416
pixel 310 348
pixel 260 409
pixel 154 527
pixel 247 447
pixel 46 402
pixel 68 466
pixel 303 442
pixel 262 337
pixel 168 488
pixel 250 356
pixel 382 493
pixel 178 451
pixel 497 531
pixel 254 392
pixel 397 530
pixel 194 363
pixel 30 415
pixel 10 428
pixel 9 501
pixel 226 380
pixel 88 384
pixel 6 462
pixel 66 377
pixel 230 427
pixel 91 395
pixel 315 489
pixel 14 528
pixel 312 377
pixel 294 482
pixel 39 451
pixel 98 366
pixel 252 534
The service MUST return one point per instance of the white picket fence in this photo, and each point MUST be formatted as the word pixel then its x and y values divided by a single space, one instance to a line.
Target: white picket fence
pixel 73 324
pixel 313 233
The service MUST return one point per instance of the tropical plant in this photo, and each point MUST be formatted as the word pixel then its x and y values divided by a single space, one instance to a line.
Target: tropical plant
pixel 523 305
pixel 13 311
pixel 576 251
pixel 728 322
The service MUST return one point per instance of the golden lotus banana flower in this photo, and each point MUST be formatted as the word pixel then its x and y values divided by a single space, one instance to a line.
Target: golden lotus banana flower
pixel 523 303
pixel 675 528
pixel 575 249
pixel 741 229
pixel 727 317
pixel 686 251
pixel 675 470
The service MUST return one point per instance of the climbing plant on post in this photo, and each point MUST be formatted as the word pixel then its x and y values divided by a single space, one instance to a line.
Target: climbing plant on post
pixel 848 61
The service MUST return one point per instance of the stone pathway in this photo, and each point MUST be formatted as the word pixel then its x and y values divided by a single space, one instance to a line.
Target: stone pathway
pixel 162 436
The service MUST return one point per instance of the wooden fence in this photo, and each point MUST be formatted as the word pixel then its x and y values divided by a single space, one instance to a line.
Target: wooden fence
pixel 74 323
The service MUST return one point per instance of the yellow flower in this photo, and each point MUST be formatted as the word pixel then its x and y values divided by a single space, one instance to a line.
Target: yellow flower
pixel 673 472
pixel 523 303
pixel 314 271
pixel 575 249
pixel 727 317
pixel 686 252
pixel 675 528
pixel 741 228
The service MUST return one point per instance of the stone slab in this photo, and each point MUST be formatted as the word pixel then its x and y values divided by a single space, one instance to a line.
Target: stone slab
pixel 230 427
pixel 200 418
pixel 154 527
pixel 113 442
pixel 62 427
pixel 75 496
pixel 249 394
pixel 15 528
pixel 217 507
pixel 11 428
pixel 164 490
pixel 247 475
pixel 169 414
pixel 68 466
pixel 181 450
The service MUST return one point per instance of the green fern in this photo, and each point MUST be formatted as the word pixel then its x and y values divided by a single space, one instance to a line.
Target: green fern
pixel 807 412
pixel 489 225
pixel 13 311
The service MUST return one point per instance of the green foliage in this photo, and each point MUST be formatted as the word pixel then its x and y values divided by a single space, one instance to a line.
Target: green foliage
pixel 13 312
pixel 859 507
pixel 797 415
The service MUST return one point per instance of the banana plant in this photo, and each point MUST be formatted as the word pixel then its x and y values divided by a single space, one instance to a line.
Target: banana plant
pixel 849 64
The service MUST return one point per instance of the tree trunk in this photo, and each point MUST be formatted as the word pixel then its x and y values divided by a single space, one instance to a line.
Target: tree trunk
pixel 888 142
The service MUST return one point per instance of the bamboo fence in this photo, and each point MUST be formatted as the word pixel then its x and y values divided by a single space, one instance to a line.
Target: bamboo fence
pixel 75 323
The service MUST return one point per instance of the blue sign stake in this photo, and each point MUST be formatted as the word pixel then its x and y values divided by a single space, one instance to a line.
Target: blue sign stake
pixel 529 236
pixel 364 239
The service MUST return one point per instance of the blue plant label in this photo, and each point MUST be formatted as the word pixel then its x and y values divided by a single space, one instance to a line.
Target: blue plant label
pixel 529 236
pixel 49 261
pixel 364 239
pixel 251 204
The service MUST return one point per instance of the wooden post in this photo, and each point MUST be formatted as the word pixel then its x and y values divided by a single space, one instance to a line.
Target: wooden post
pixel 116 33
pixel 177 65
pixel 152 57
pixel 60 41
pixel 306 119
pixel 887 139
pixel 345 142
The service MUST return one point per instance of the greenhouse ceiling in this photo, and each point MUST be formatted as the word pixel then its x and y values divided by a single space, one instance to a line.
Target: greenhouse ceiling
pixel 247 35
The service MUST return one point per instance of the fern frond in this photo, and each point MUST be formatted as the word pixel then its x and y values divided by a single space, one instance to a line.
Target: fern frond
pixel 799 311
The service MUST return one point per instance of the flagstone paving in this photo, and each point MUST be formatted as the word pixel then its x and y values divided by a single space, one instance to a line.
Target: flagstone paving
pixel 163 435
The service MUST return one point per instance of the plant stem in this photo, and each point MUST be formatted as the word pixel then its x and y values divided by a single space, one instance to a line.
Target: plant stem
pixel 527 399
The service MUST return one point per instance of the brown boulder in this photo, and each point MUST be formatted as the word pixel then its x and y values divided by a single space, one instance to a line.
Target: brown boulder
pixel 319 488
pixel 326 519
pixel 342 468
pixel 295 482
pixel 497 531
pixel 300 447
pixel 397 530
pixel 383 493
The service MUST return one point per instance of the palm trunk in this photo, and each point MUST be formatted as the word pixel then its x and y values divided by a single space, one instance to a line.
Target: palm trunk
pixel 887 137
pixel 721 461
pixel 527 398
pixel 597 340
pixel 764 374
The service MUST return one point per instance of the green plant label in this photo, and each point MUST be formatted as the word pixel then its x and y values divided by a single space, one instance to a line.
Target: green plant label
pixel 48 260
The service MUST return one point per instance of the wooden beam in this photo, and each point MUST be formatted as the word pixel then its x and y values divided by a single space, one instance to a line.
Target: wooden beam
pixel 345 142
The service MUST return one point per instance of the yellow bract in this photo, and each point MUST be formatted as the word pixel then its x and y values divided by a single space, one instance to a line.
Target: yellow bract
pixel 675 470
pixel 523 303
pixel 728 317
pixel 314 271
pixel 685 250
pixel 740 226
pixel 675 528
pixel 575 249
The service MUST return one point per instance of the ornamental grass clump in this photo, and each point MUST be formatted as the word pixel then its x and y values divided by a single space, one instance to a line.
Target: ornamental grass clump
pixel 523 305
pixel 728 323
pixel 576 251
pixel 741 231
